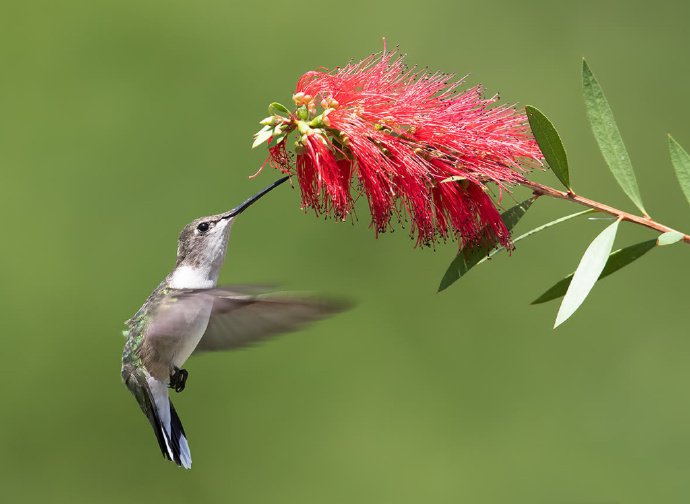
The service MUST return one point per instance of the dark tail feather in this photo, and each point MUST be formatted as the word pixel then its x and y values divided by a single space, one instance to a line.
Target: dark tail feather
pixel 163 418
pixel 179 440
pixel 173 444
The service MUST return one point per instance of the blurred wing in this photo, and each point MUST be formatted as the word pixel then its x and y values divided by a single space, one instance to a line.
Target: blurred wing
pixel 181 306
pixel 239 319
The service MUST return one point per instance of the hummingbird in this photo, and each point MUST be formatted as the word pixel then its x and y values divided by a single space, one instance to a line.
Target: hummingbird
pixel 189 314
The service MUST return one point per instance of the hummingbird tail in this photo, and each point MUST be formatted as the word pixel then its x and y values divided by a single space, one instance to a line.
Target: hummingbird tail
pixel 152 396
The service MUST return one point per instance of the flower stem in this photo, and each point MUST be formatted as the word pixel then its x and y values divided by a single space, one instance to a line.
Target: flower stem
pixel 542 190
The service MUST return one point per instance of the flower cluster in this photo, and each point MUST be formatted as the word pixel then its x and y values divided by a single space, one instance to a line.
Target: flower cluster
pixel 409 141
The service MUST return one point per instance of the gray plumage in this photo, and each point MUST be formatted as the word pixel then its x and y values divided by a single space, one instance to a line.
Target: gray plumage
pixel 188 314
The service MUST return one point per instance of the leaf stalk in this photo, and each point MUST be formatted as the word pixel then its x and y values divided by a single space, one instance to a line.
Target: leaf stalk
pixel 646 221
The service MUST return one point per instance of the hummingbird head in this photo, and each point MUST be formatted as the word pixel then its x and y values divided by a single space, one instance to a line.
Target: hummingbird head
pixel 202 245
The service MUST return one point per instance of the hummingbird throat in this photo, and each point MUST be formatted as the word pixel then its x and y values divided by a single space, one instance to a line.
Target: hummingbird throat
pixel 193 277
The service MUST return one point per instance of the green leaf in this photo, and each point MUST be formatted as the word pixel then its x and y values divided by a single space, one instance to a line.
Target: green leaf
pixel 550 144
pixel 535 231
pixel 262 135
pixel 587 272
pixel 608 136
pixel 275 106
pixel 467 259
pixel 617 260
pixel 681 163
pixel 513 215
pixel 669 238
pixel 277 139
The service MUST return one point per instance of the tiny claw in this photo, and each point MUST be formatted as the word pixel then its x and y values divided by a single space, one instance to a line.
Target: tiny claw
pixel 178 379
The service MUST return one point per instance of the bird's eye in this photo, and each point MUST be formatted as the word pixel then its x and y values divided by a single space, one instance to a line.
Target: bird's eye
pixel 203 227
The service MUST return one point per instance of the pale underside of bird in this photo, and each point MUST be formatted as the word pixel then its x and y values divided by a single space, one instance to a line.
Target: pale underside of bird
pixel 187 315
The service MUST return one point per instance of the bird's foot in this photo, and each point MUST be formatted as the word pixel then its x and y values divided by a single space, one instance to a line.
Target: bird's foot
pixel 178 379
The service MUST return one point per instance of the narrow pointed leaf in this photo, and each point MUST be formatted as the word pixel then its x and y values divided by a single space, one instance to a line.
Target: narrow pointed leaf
pixel 262 135
pixel 468 259
pixel 535 231
pixel 681 163
pixel 587 272
pixel 669 238
pixel 608 136
pixel 277 139
pixel 550 144
pixel 617 260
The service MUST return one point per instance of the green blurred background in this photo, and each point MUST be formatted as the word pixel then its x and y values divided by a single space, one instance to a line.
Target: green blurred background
pixel 121 121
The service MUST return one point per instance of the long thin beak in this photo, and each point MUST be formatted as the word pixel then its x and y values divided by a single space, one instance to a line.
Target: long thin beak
pixel 241 208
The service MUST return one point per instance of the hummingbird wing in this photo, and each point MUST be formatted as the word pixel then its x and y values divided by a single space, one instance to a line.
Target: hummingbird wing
pixel 241 317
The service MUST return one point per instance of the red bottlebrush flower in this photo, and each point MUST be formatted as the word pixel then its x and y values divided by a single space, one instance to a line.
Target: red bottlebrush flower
pixel 409 141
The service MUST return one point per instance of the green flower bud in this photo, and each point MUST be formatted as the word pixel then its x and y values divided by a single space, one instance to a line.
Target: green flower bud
pixel 303 113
